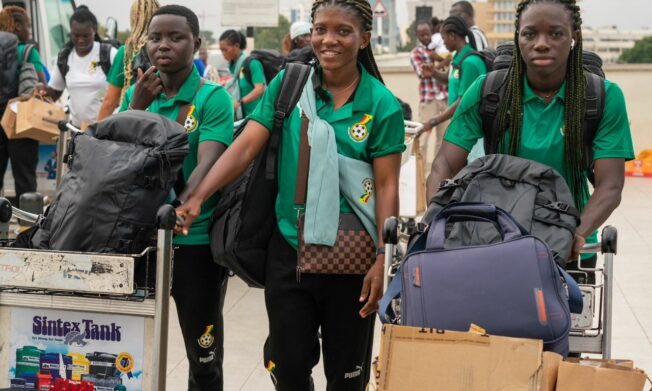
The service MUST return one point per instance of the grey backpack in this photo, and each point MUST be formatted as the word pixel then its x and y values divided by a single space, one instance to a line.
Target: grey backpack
pixel 536 195
pixel 8 68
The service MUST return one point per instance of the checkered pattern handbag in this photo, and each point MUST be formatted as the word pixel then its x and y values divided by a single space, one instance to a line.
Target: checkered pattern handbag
pixel 354 251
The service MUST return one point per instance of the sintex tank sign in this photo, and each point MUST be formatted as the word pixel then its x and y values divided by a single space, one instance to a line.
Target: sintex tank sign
pixel 255 13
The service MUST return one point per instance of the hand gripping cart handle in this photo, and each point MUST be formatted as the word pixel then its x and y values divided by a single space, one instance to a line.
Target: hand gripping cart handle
pixel 19 295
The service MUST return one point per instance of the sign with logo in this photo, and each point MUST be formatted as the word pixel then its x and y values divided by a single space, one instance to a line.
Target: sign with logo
pixel 45 345
pixel 256 13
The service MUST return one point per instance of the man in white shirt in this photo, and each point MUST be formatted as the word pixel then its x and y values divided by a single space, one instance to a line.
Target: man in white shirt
pixel 464 10
pixel 81 69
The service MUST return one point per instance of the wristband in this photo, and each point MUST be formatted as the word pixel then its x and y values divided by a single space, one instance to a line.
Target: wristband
pixel 433 122
pixel 241 102
pixel 380 250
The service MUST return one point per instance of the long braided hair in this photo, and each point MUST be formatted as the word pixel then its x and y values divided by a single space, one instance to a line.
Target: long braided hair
pixel 139 17
pixel 457 26
pixel 510 113
pixel 363 9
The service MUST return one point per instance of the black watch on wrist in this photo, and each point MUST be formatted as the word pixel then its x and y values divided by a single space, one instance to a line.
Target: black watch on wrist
pixel 380 250
pixel 241 102
pixel 433 122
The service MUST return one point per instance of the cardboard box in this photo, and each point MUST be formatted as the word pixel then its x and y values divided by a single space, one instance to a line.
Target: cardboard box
pixel 416 359
pixel 599 375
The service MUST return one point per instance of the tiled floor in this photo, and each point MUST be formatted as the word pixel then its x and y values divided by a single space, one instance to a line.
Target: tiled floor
pixel 246 322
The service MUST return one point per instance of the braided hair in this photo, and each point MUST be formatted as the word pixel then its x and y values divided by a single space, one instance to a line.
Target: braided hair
pixel 9 16
pixel 457 26
pixel 362 9
pixel 510 113
pixel 139 17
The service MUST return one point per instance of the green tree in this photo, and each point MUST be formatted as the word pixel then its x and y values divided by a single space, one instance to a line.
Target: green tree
pixel 207 37
pixel 272 37
pixel 641 53
pixel 412 38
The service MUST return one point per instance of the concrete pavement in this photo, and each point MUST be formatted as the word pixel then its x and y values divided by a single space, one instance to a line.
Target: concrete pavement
pixel 246 322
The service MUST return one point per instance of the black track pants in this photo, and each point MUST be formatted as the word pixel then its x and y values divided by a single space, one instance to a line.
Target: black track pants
pixel 23 154
pixel 198 289
pixel 297 311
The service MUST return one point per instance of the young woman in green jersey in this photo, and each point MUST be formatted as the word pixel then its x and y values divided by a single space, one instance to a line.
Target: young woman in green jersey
pixel 541 114
pixel 367 123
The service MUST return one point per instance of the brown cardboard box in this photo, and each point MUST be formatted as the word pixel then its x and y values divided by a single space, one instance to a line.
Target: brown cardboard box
pixel 38 120
pixel 417 359
pixel 599 375
pixel 8 122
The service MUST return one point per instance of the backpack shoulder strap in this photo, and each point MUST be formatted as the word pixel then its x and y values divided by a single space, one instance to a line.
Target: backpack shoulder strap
pixel 594 101
pixel 185 109
pixel 105 57
pixel 246 68
pixel 295 77
pixel 493 90
pixel 28 49
pixel 62 60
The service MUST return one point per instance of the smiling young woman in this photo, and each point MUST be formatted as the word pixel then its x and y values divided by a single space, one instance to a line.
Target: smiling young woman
pixel 365 123
pixel 541 115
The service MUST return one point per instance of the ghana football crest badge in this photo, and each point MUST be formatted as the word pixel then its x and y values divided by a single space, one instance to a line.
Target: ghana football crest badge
pixel 191 122
pixel 368 187
pixel 359 132
pixel 206 340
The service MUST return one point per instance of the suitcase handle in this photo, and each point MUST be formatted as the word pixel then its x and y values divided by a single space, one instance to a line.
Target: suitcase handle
pixel 472 211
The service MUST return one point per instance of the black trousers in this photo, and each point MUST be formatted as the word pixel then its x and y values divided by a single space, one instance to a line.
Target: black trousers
pixel 23 154
pixel 198 289
pixel 297 310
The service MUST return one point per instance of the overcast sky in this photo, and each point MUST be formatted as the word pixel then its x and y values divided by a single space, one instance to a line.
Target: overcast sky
pixel 626 14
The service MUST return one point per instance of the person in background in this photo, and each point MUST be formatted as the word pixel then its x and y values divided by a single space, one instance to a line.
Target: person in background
pixel 464 10
pixel 365 124
pixel 465 69
pixel 298 38
pixel 85 80
pixel 211 73
pixel 432 94
pixel 123 73
pixel 171 83
pixel 246 91
pixel 23 153
pixel 436 47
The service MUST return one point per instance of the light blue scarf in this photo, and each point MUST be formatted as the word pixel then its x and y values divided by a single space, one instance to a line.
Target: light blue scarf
pixel 328 171
pixel 233 85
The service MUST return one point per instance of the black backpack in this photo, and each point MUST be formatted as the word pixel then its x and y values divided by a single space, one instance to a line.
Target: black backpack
pixel 271 60
pixel 8 68
pixel 536 195
pixel 245 217
pixel 121 172
pixel 105 58
pixel 594 100
pixel 487 55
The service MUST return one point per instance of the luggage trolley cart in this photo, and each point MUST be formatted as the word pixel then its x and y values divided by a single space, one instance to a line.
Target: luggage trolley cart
pixel 93 284
pixel 590 331
pixel 408 211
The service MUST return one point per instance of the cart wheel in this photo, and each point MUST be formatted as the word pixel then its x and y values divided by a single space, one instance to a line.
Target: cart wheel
pixel 166 217
pixel 390 230
pixel 609 240
pixel 5 210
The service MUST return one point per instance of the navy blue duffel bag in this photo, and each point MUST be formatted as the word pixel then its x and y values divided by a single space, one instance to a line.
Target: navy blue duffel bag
pixel 511 288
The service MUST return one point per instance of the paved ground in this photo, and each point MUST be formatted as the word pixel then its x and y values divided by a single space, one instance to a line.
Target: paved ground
pixel 246 322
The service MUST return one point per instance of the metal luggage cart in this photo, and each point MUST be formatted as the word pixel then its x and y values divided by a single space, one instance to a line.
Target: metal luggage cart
pixel 95 283
pixel 590 331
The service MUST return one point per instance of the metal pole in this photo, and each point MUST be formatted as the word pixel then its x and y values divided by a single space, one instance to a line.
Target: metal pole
pixel 162 305
pixel 608 296
pixel 392 26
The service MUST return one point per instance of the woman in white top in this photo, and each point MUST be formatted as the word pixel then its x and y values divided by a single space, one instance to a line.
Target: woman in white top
pixel 81 68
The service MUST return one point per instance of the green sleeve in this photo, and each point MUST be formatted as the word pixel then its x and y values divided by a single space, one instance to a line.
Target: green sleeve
pixel 217 118
pixel 473 67
pixel 127 99
pixel 35 58
pixel 264 113
pixel 614 136
pixel 116 74
pixel 387 136
pixel 465 128
pixel 257 72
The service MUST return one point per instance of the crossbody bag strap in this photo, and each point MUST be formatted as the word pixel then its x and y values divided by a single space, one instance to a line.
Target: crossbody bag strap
pixel 185 109
pixel 303 164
